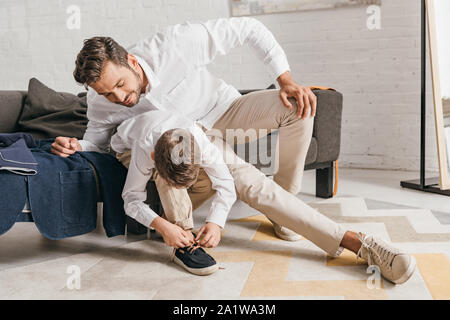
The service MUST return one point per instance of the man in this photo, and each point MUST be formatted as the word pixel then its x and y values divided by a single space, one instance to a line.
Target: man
pixel 169 71
pixel 154 141
pixel 155 138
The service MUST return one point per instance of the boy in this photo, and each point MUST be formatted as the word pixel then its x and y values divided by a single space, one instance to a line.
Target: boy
pixel 153 138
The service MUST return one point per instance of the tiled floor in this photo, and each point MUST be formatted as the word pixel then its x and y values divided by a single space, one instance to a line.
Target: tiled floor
pixel 34 267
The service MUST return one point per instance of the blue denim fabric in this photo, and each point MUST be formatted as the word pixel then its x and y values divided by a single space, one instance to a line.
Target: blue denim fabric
pixel 7 139
pixel 13 191
pixel 15 155
pixel 63 194
pixel 111 175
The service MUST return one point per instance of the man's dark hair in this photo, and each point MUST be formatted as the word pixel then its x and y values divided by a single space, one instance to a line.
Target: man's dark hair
pixel 176 157
pixel 92 57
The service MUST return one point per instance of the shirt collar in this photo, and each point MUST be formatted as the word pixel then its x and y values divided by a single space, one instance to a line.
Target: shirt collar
pixel 153 80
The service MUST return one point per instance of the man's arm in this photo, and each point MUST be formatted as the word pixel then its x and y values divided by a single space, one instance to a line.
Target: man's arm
pixel 96 137
pixel 199 43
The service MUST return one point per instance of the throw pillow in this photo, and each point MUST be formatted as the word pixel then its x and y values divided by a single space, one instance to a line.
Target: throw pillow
pixel 49 114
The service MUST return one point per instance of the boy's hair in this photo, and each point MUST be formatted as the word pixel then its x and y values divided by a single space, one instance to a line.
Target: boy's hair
pixel 177 158
pixel 95 53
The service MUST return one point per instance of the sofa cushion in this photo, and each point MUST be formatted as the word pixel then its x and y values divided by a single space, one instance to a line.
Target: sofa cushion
pixel 311 156
pixel 327 125
pixel 49 114
pixel 11 103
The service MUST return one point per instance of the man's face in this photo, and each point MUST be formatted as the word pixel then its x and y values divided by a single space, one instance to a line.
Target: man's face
pixel 119 84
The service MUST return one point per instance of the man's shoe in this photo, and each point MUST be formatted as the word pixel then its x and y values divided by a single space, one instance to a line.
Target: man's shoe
pixel 285 233
pixel 195 260
pixel 394 265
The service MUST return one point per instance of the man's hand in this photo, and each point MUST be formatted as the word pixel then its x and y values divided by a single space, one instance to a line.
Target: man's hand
pixel 211 235
pixel 306 99
pixel 173 235
pixel 65 146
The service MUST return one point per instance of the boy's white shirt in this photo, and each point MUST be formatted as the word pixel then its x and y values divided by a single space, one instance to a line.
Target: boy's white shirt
pixel 175 62
pixel 140 134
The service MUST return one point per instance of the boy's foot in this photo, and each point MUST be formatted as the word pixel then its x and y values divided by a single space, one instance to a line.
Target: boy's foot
pixel 195 260
pixel 394 265
pixel 285 233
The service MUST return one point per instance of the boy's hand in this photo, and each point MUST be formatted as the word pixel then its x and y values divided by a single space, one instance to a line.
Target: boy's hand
pixel 211 235
pixel 173 235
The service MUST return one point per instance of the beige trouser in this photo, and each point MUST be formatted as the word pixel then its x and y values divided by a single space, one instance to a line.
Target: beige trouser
pixel 261 109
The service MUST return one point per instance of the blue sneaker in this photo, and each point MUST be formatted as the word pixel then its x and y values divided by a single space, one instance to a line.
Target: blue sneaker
pixel 195 260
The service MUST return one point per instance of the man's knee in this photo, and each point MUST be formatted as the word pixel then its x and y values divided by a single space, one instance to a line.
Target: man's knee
pixel 248 181
pixel 291 116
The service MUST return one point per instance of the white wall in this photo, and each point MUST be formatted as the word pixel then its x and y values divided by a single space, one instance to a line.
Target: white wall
pixel 377 71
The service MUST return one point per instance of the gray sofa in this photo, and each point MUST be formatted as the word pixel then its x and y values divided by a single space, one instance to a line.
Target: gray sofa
pixel 325 143
pixel 323 150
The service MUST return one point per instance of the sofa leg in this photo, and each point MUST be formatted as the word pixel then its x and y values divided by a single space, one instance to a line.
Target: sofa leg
pixel 134 227
pixel 324 182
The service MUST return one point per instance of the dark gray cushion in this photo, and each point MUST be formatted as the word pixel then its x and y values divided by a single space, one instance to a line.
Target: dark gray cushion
pixel 311 156
pixel 327 125
pixel 11 103
pixel 49 114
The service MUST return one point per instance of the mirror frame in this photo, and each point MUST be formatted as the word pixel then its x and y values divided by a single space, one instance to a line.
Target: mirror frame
pixel 444 182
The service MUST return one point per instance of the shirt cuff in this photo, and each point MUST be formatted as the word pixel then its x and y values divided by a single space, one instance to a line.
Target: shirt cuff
pixel 88 146
pixel 278 65
pixel 142 214
pixel 218 216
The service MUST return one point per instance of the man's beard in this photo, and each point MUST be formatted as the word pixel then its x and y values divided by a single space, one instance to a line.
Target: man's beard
pixel 138 89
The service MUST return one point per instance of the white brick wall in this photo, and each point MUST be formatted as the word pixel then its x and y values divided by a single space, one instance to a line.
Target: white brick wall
pixel 377 71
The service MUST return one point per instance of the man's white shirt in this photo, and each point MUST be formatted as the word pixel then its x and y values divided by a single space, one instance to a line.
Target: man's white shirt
pixel 140 135
pixel 175 62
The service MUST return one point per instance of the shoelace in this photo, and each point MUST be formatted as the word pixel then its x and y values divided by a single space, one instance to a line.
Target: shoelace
pixel 372 248
pixel 364 245
pixel 190 249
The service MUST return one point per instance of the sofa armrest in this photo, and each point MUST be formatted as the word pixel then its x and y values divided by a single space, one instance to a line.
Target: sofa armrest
pixel 11 105
pixel 327 125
